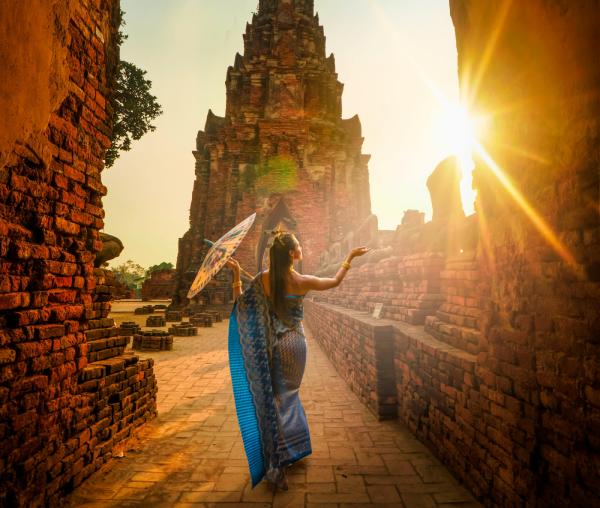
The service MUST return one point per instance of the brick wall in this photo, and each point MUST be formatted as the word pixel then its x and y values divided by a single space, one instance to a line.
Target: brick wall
pixel 409 287
pixel 539 286
pixel 361 349
pixel 69 395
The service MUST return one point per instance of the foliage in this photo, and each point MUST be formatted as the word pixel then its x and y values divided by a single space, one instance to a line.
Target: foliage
pixel 130 268
pixel 163 266
pixel 122 36
pixel 135 107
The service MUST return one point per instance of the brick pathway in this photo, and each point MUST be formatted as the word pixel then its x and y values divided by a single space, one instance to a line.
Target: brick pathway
pixel 193 457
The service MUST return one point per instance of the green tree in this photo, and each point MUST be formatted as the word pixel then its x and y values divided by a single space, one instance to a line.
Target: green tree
pixel 135 107
pixel 163 266
pixel 130 268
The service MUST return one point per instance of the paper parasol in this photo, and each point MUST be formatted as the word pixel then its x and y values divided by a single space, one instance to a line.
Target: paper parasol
pixel 218 255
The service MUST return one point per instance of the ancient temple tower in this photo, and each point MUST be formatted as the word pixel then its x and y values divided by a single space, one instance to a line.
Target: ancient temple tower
pixel 282 150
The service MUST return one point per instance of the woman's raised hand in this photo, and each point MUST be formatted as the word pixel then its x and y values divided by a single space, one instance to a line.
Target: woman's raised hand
pixel 233 264
pixel 359 251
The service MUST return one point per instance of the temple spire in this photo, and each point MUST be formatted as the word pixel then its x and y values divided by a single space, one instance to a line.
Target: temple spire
pixel 306 7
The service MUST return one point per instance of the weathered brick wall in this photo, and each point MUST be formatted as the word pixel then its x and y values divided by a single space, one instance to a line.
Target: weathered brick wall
pixel 540 362
pixel 460 321
pixel 68 394
pixel 409 287
pixel 440 402
pixel 361 350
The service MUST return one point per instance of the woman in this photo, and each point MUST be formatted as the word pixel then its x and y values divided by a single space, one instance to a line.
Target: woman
pixel 267 356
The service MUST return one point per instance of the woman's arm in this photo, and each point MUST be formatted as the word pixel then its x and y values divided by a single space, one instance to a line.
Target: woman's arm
pixel 309 283
pixel 237 278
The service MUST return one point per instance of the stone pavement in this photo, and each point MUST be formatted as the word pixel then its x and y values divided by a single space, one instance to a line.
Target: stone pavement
pixel 193 457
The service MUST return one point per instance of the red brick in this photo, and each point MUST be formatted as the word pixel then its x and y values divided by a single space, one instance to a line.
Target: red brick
pixel 11 301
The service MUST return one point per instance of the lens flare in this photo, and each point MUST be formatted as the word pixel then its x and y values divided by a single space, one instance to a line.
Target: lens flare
pixel 470 131
pixel 472 88
pixel 537 220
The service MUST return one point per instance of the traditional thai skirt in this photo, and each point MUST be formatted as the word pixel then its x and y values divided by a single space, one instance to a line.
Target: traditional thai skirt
pixel 287 370
pixel 267 358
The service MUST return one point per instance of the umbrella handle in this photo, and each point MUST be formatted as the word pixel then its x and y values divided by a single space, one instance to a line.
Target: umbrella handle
pixel 245 273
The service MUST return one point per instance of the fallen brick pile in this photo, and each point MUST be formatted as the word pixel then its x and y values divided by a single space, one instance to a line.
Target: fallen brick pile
pixel 183 330
pixel 146 309
pixel 155 340
pixel 361 348
pixel 202 320
pixel 173 317
pixel 217 316
pixel 129 329
pixel 156 321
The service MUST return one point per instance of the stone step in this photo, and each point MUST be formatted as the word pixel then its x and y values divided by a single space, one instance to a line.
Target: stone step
pixel 466 339
pixel 461 332
pixel 416 304
pixel 454 319
pixel 108 343
pixel 463 301
pixel 103 349
pixel 411 316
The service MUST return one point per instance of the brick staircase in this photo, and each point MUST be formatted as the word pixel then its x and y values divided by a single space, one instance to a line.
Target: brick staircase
pixel 419 284
pixel 458 322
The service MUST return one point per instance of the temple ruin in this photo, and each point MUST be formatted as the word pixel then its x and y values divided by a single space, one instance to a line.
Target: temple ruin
pixel 487 348
pixel 282 150
pixel 159 286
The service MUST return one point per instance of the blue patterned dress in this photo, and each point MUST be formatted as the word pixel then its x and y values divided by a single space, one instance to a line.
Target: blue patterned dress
pixel 267 358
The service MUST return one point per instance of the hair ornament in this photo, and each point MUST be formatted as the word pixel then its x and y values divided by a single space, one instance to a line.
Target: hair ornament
pixel 279 234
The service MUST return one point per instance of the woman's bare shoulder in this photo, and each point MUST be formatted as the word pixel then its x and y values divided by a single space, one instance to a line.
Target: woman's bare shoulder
pixel 264 277
pixel 303 281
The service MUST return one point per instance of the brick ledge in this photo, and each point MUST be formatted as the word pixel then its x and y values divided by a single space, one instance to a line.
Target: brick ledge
pixel 415 332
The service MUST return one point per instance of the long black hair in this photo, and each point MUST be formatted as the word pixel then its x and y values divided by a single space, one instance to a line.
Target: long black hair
pixel 280 270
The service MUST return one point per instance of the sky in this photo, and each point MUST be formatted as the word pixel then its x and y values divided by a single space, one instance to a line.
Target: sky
pixel 390 54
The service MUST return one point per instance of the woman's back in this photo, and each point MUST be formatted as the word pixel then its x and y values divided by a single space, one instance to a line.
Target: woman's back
pixel 293 285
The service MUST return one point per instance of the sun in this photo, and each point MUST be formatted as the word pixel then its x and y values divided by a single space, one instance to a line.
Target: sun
pixel 457 132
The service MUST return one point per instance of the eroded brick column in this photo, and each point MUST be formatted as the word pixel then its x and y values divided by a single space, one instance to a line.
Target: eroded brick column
pixel 68 393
